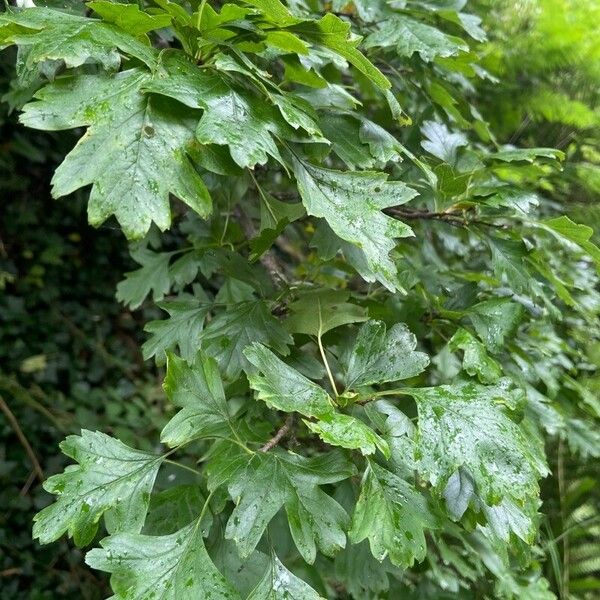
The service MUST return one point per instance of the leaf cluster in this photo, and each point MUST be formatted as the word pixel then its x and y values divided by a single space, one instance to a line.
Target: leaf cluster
pixel 376 316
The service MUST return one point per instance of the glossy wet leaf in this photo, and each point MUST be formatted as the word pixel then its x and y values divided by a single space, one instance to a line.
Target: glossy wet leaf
pixel 398 431
pixel 196 388
pixel 232 117
pixel 168 567
pixel 441 142
pixel 283 388
pixel 393 516
pixel 275 11
pixel 313 124
pixel 246 125
pixel 151 278
pixel 476 360
pixel 52 35
pixel 507 261
pixel 351 203
pixel 494 320
pixel 527 154
pixel 230 332
pixel 472 427
pixel 273 212
pixel 316 312
pixel 334 33
pixel 129 17
pixel 575 233
pixel 108 476
pixel 281 584
pixel 134 153
pixel 175 508
pixel 180 330
pixel 262 483
pixel 379 356
pixel 349 432
pixel 408 36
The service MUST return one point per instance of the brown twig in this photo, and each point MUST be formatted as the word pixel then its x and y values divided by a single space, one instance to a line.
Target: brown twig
pixel 10 572
pixel 281 433
pixel 27 396
pixel 21 436
pixel 25 489
pixel 451 218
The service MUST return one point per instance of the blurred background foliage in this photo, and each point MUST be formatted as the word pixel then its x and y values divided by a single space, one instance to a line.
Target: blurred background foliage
pixel 61 370
pixel 545 55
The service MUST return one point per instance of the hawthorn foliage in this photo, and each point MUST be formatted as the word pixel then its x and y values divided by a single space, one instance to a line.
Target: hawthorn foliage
pixel 375 314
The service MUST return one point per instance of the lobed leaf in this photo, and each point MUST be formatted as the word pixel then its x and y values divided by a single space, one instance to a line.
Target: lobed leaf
pixel 109 476
pixel 351 203
pixel 167 567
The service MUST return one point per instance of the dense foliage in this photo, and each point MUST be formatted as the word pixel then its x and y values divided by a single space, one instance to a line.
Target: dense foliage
pixel 379 318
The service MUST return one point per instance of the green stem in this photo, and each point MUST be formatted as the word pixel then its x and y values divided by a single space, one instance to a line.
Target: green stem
pixel 398 392
pixel 322 351
pixel 182 466
pixel 200 11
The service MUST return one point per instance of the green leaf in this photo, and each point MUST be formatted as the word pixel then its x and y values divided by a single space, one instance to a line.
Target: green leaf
pixel 175 508
pixel 458 493
pixel 383 146
pixel 167 567
pixel 394 517
pixel 55 35
pixel 349 432
pixel 177 77
pixel 351 203
pixel 182 329
pixel 129 17
pixel 281 387
pixel 295 71
pixel 507 261
pixel 522 201
pixel 363 576
pixel 262 483
pixel 299 114
pixel 494 320
pixel 574 232
pixel 241 324
pixel 244 123
pixel 441 142
pixel 583 438
pixel 243 574
pixel 334 33
pixel 476 360
pixel 537 260
pixel 232 116
pixel 134 151
pixel 408 36
pixel 273 212
pixel 529 155
pixel 379 356
pixel 281 584
pixel 275 11
pixel 398 431
pixel 110 476
pixel 286 41
pixel 469 426
pixel 152 277
pixel 275 215
pixel 318 311
pixel 198 390
pixel 343 131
